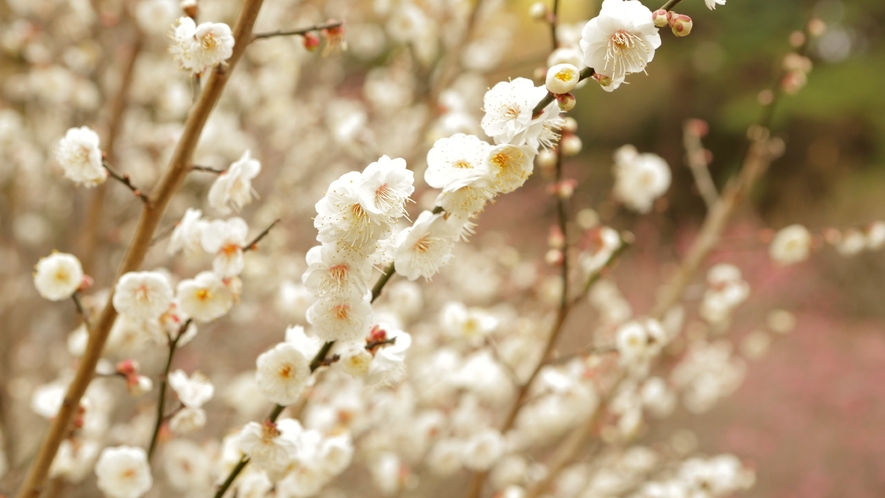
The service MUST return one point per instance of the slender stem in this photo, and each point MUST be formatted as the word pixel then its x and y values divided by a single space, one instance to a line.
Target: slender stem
pixel 554 20
pixel 252 246
pixel 670 4
pixel 80 310
pixel 297 32
pixel 320 357
pixel 151 215
pixel 208 169
pixel 696 158
pixel 585 73
pixel 162 234
pixel 125 180
pixel 382 281
pixel 164 381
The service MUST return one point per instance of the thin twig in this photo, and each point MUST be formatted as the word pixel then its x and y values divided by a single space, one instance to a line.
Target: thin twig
pixel 297 32
pixel 125 180
pixel 164 381
pixel 80 309
pixel 382 281
pixel 252 246
pixel 696 158
pixel 208 169
pixel 162 234
pixel 151 215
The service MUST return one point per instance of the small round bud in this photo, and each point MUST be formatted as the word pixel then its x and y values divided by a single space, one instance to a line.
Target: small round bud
pixel 566 101
pixel 311 42
pixel 816 28
pixel 797 39
pixel 680 24
pixel 562 78
pixel 570 125
pixel 697 127
pixel 546 158
pixel 571 145
pixel 660 17
pixel 556 239
pixel 793 82
pixel 538 11
pixel 554 257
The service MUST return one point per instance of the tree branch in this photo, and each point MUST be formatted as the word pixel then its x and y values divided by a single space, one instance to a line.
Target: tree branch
pixel 164 381
pixel 297 32
pixel 125 180
pixel 252 246
pixel 150 218
pixel 696 158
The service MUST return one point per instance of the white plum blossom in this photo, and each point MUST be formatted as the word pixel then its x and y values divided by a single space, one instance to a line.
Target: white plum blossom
pixel 470 324
pixel 199 48
pixel 80 157
pixel 187 420
pixel 790 245
pixel 58 276
pixel 726 290
pixel 711 4
pixel 639 178
pixel 355 360
pixel 340 317
pixel 282 373
pixel 510 166
pixel 271 446
pixel 155 16
pixel 123 472
pixel 233 188
pixel 142 295
pixel 459 158
pixel 226 239
pixel 308 345
pixel 335 453
pixel 386 186
pixel 509 118
pixel 388 367
pixel 562 78
pixel 194 391
pixel 424 247
pixel 621 40
pixel 204 297
pixel 75 458
pixel 341 215
pixel 187 233
pixel 336 269
pixel 639 340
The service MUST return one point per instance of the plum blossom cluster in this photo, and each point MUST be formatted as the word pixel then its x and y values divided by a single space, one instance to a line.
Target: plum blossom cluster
pixel 198 48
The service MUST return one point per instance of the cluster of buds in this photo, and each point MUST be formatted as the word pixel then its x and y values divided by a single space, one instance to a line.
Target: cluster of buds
pixel 680 23
pixel 556 240
pixel 135 384
pixel 796 69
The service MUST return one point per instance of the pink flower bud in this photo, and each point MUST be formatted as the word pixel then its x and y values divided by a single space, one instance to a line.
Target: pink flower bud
pixel 86 283
pixel 554 257
pixel 127 367
pixel 311 42
pixel 660 17
pixel 566 101
pixel 680 24
pixel 556 239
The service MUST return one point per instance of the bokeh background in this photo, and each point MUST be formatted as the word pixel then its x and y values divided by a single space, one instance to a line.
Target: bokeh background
pixel 810 413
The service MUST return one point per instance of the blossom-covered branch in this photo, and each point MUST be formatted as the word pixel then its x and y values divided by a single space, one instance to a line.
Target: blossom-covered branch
pixel 125 180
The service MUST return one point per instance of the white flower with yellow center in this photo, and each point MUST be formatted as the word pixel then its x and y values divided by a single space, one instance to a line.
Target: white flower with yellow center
pixel 509 115
pixel 790 245
pixel 271 446
pixel 199 48
pixel 204 297
pixel 340 317
pixel 386 186
pixel 621 40
pixel 639 178
pixel 342 216
pixel 123 472
pixel 226 239
pixel 424 247
pixel 193 391
pixel 144 295
pixel 58 276
pixel 510 166
pixel 282 373
pixel 454 159
pixel 562 78
pixel 186 235
pixel 336 269
pixel 79 155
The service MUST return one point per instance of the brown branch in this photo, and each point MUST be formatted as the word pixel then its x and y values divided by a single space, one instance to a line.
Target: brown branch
pixel 150 218
pixel 297 32
pixel 253 246
pixel 696 158
pixel 80 310
pixel 125 180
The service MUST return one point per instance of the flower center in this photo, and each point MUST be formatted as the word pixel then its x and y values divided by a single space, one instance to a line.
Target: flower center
pixel 462 164
pixel 423 244
pixel 230 249
pixel 341 311
pixel 357 211
pixel 338 273
pixel 626 52
pixel 203 294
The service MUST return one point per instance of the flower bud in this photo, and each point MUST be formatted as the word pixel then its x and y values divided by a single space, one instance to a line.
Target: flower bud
pixel 311 42
pixel 571 145
pixel 680 24
pixel 556 239
pixel 546 158
pixel 660 17
pixel 190 8
pixel 566 101
pixel 562 78
pixel 570 125
pixel 538 11
pixel 554 257
pixel 127 368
